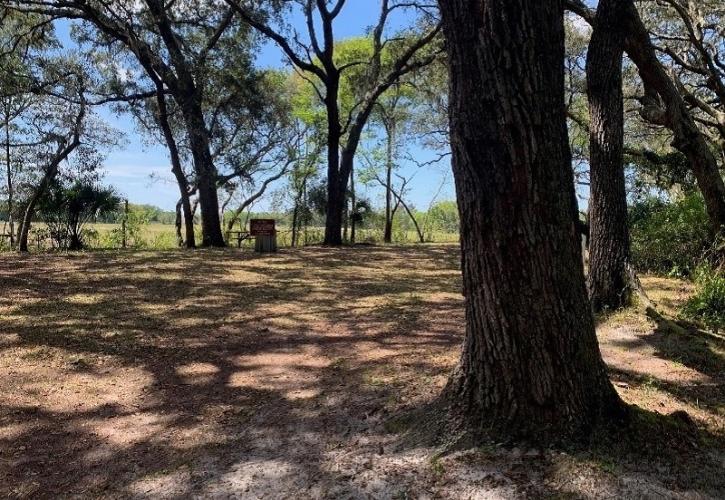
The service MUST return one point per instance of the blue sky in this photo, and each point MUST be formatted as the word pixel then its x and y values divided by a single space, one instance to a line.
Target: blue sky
pixel 141 171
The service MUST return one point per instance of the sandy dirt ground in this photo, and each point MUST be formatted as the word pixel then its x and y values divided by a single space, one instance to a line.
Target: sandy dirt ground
pixel 221 374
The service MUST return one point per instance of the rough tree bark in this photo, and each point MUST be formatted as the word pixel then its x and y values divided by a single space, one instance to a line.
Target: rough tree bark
pixel 531 366
pixel 609 282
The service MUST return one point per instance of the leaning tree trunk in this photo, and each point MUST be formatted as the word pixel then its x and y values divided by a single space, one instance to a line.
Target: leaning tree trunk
pixel 609 282
pixel 665 106
pixel 24 229
pixel 51 171
pixel 531 366
pixel 29 211
pixel 185 204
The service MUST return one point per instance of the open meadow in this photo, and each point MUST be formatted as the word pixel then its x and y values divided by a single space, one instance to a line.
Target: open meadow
pixel 301 374
pixel 155 236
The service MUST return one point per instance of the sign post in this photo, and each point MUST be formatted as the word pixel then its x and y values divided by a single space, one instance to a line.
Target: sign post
pixel 265 235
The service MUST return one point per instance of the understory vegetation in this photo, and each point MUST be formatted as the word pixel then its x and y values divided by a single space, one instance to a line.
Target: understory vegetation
pixel 707 305
pixel 670 237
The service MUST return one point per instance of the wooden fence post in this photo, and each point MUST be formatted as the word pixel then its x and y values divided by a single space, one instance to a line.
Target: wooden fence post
pixel 123 223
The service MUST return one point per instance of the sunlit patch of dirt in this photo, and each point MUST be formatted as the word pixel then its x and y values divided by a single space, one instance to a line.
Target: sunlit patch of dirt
pixel 664 370
pixel 224 373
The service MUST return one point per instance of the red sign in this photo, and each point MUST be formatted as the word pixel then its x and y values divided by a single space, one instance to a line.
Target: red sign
pixel 262 227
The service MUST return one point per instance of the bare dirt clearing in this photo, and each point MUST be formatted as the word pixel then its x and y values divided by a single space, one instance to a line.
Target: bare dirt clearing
pixel 220 373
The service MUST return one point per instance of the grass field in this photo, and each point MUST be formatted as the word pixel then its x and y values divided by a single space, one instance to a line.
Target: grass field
pixel 156 236
pixel 223 373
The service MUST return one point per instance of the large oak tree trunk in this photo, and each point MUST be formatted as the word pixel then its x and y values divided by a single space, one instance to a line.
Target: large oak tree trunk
pixel 334 215
pixel 531 365
pixel 340 162
pixel 206 175
pixel 609 282
pixel 335 194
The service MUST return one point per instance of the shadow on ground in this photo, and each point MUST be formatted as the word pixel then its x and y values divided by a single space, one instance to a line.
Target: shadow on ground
pixel 216 373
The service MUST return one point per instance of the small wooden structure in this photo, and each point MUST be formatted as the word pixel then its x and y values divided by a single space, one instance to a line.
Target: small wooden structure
pixel 265 235
pixel 239 236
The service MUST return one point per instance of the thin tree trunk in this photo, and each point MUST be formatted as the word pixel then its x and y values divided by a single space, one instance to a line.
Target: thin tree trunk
pixel 254 197
pixel 418 229
pixel 11 205
pixel 29 211
pixel 163 118
pixel 299 200
pixel 305 202
pixel 124 225
pixel 63 151
pixel 353 221
pixel 390 132
pixel 609 283
pixel 178 223
pixel 531 366
pixel 295 229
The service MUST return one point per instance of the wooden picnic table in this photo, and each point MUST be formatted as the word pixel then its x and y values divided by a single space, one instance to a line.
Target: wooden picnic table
pixel 239 236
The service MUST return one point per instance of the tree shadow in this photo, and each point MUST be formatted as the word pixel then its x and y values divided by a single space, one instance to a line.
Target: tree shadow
pixel 225 373
pixel 212 371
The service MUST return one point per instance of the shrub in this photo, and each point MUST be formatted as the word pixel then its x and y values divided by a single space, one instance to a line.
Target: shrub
pixel 66 208
pixel 669 237
pixel 137 220
pixel 162 241
pixel 443 217
pixel 708 303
